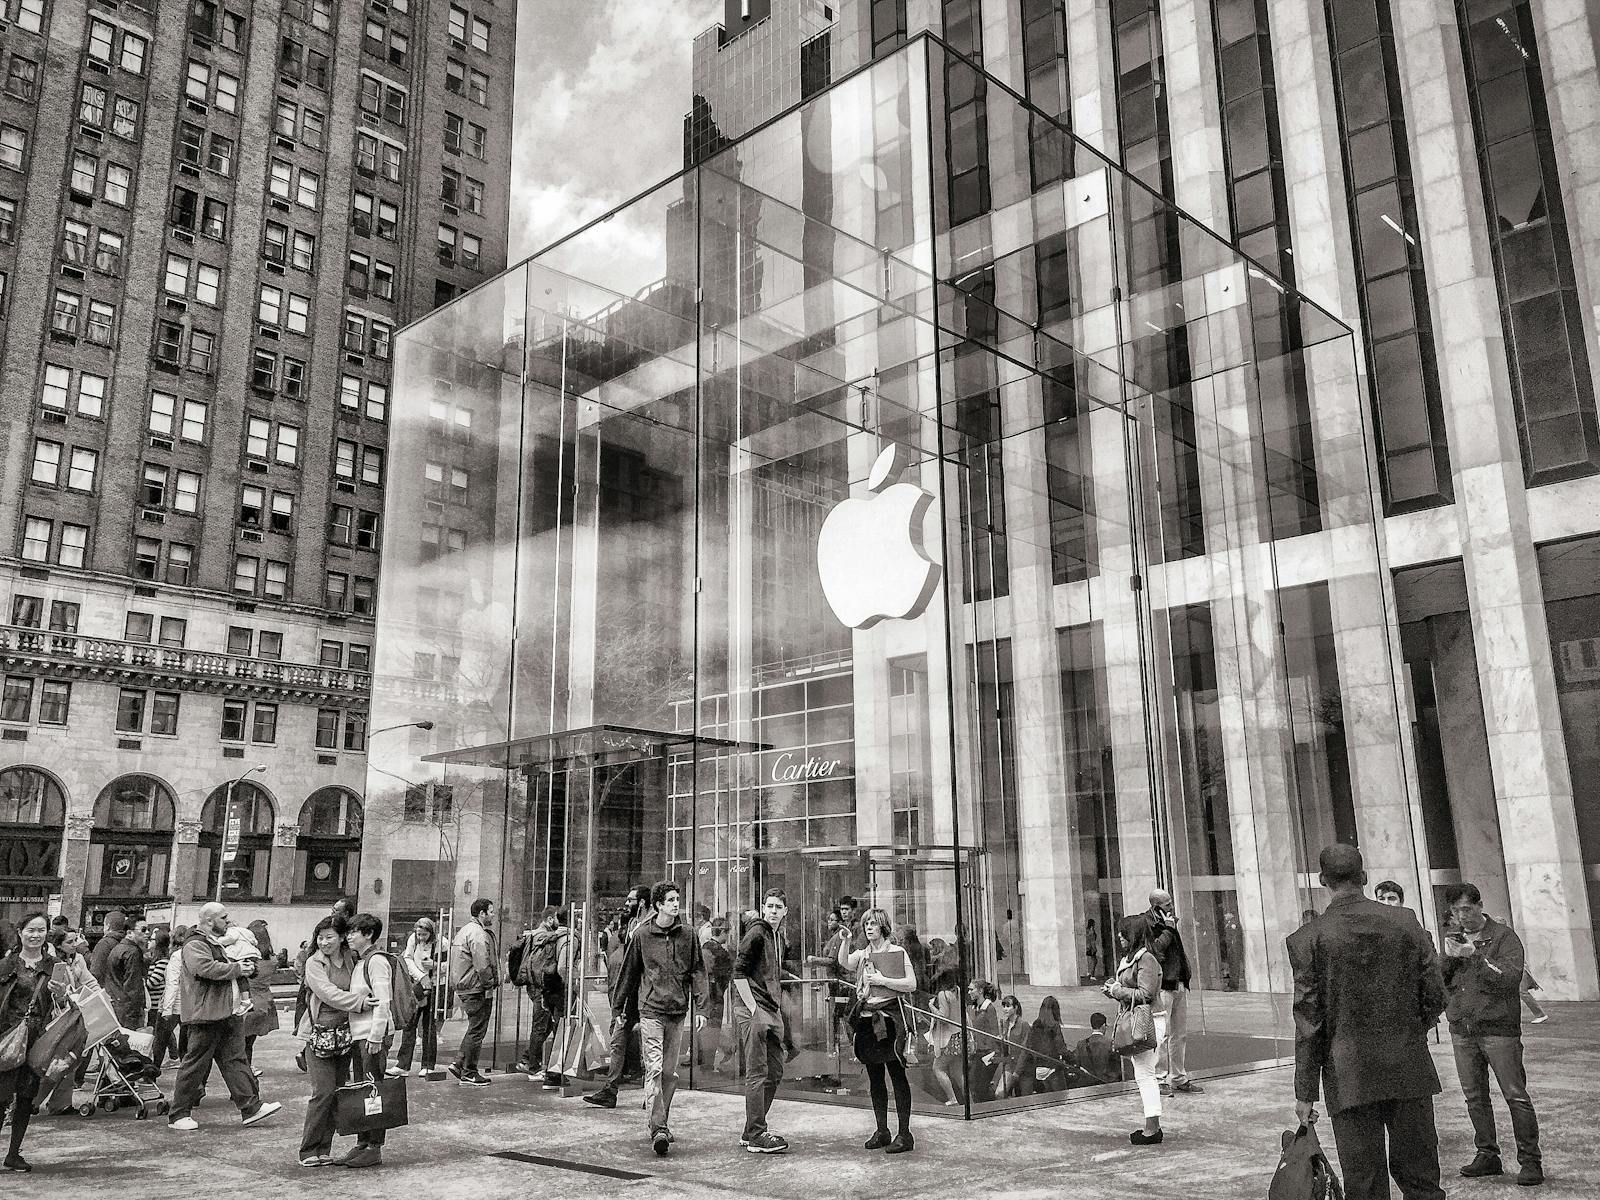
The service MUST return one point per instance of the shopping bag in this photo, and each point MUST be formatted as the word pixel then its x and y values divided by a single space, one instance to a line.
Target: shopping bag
pixel 367 1105
pixel 1134 1031
pixel 14 1047
pixel 1304 1172
pixel 57 1051
pixel 99 1018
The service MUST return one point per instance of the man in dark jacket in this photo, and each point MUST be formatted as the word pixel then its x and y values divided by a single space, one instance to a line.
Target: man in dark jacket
pixel 209 994
pixel 662 972
pixel 758 1018
pixel 614 941
pixel 1367 990
pixel 1483 965
pixel 116 925
pixel 125 974
pixel 543 971
pixel 1172 1056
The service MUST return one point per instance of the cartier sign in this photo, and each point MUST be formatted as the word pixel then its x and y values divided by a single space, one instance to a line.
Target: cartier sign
pixel 792 766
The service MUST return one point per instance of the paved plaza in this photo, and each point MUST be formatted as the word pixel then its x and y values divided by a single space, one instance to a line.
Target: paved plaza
pixel 1219 1145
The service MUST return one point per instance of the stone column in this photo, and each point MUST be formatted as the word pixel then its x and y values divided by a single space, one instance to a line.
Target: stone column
pixel 75 865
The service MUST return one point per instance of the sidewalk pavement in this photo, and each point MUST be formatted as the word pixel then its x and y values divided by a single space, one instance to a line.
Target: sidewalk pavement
pixel 1222 1144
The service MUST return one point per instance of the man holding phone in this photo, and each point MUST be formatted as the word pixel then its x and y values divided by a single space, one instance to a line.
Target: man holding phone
pixel 758 1018
pixel 1483 966
pixel 1166 943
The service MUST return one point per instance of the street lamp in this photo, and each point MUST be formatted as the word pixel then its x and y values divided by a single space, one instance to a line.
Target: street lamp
pixel 422 725
pixel 229 822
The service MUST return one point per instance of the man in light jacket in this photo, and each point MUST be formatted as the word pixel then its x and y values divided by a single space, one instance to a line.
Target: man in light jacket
pixel 370 1027
pixel 208 999
pixel 475 972
pixel 663 970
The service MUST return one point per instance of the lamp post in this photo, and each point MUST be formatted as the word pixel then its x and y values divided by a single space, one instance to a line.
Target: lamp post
pixel 423 725
pixel 229 823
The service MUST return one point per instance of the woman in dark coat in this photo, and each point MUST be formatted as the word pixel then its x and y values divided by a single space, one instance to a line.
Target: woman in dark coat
pixel 24 999
pixel 263 1018
pixel 1048 1053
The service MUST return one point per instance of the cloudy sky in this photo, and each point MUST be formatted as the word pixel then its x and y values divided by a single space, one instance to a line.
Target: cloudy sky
pixel 602 86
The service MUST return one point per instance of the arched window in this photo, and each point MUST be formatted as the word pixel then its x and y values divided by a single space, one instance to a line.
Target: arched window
pixel 33 814
pixel 328 849
pixel 247 865
pixel 130 847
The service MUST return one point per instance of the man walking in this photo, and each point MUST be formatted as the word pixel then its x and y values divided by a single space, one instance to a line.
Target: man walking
pixel 546 963
pixel 1483 966
pixel 1367 989
pixel 210 988
pixel 115 926
pixel 663 970
pixel 1167 944
pixel 757 1016
pixel 125 977
pixel 475 972
pixel 624 1017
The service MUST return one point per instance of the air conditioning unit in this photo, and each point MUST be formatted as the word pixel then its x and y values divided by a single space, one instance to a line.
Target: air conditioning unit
pixel 90 132
pixel 249 535
pixel 274 268
pixel 188 169
pixel 342 486
pixel 160 443
pixel 255 466
pixel 98 67
pixel 286 142
pixel 268 332
pixel 71 272
pixel 197 106
pixel 280 205
pixel 183 235
pixel 174 303
pixel 52 417
pixel 154 515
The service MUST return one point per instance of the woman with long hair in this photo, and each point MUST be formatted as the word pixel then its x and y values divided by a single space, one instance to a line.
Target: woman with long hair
pixel 1012 1077
pixel 326 1030
pixel 24 1001
pixel 420 959
pixel 263 1016
pixel 1138 981
pixel 878 1021
pixel 1045 1066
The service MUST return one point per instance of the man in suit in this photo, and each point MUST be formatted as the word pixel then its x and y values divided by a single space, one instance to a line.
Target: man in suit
pixel 1367 989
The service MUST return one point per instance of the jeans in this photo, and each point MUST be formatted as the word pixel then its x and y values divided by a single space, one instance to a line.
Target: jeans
pixel 547 1008
pixel 1173 1053
pixel 427 1019
pixel 222 1043
pixel 327 1076
pixel 479 1009
pixel 1475 1058
pixel 621 1027
pixel 762 1039
pixel 1389 1137
pixel 661 1041
pixel 165 1028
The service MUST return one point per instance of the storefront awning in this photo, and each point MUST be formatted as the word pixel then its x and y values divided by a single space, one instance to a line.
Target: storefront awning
pixel 593 745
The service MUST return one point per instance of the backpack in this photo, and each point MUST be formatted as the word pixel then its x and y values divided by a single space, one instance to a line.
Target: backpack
pixel 514 958
pixel 403 1002
pixel 1304 1172
pixel 541 964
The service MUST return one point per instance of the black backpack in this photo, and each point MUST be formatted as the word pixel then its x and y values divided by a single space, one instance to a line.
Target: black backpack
pixel 540 966
pixel 403 1003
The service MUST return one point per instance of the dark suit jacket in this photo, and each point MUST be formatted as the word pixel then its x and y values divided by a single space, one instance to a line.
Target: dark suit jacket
pixel 1367 989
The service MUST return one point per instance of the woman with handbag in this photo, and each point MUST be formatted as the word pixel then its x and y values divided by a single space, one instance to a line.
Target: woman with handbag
pixel 1139 1028
pixel 877 1019
pixel 326 1031
pixel 24 1011
pixel 420 960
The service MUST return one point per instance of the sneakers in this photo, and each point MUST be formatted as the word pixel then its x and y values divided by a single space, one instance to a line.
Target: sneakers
pixel 661 1142
pixel 15 1162
pixel 257 1072
pixel 1481 1165
pixel 1140 1138
pixel 455 1069
pixel 471 1078
pixel 765 1143
pixel 398 1072
pixel 362 1156
pixel 1166 1089
pixel 551 1082
pixel 903 1143
pixel 521 1067
pixel 1531 1175
pixel 1540 1019
pixel 1188 1085
pixel 318 1160
pixel 604 1098
pixel 261 1112
pixel 184 1124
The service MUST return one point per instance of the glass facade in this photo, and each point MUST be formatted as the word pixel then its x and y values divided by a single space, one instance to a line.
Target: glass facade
pixel 790 550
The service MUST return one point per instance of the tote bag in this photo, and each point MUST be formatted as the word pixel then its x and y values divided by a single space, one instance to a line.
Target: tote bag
pixel 367 1105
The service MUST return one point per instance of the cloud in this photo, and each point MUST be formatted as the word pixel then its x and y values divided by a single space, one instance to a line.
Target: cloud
pixel 602 87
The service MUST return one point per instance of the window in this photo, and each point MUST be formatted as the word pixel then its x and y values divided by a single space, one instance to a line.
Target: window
pixel 36 535
pixel 275 242
pixel 282 512
pixel 146 557
pixel 133 53
pixel 125 118
pixel 63 616
pixel 458 27
pixel 471 251
pixel 85 169
pixel 214 218
pixel 377 401
pixel 477 140
pixel 239 640
pixel 196 81
pixel 163 407
pixel 450 186
pixel 357 273
pixel 453 132
pixel 219 155
pixel 226 91
pixel 383 280
pixel 164 713
pixel 344 459
pixel 74 544
pixel 46 462
pixel 331 654
pixel 304 251
pixel 180 563
pixel 478 87
pixel 102 41
pixel 22 77
pixel 138 627
pixel 118 180
pixel 455 77
pixel 335 586
pixel 246 569
pixel 288 445
pixel 359 656
pixel 286 117
pixel 91 394
pixel 474 196
pixel 176 279
pixel 327 729
pixel 102 323
pixel 232 32
pixel 299 313
pixel 233 718
pixel 308 183
pixel 257 437
pixel 153 486
pixel 311 128
pixel 13 146
pixel 80 475
pixel 201 345
pixel 174 630
pixel 108 252
pixel 191 141
pixel 65 313
pixel 340 525
pixel 186 492
pixel 381 99
pixel 366 530
pixel 350 392
pixel 8 220
pixel 57 388
pixel 264 729
pixel 55 702
pixel 280 178
pixel 355 731
pixel 269 308
pixel 371 465
pixel 30 15
pixel 252 502
pixel 130 711
pixel 294 378
pixel 364 599
pixel 270 645
pixel 27 611
pixel 275 582
pixel 480 35
pixel 16 703
pixel 447 245
pixel 92 105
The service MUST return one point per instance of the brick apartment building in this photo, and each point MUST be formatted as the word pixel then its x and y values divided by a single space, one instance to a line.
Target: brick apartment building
pixel 213 216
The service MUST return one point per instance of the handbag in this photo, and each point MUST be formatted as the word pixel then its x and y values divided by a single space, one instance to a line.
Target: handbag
pixel 59 1048
pixel 1304 1172
pixel 14 1047
pixel 1134 1031
pixel 329 1041
pixel 367 1105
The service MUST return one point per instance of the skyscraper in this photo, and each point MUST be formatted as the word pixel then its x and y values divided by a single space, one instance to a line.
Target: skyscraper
pixel 213 216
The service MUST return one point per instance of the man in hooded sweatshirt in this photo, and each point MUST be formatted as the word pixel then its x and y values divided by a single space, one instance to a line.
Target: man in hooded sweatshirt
pixel 116 925
pixel 663 970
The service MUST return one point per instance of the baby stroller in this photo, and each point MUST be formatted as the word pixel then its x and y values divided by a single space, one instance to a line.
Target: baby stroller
pixel 126 1078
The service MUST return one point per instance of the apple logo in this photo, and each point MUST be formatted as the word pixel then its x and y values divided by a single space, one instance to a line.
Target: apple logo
pixel 869 553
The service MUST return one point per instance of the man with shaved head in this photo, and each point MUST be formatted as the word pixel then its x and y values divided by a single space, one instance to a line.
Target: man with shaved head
pixel 1166 943
pixel 1367 991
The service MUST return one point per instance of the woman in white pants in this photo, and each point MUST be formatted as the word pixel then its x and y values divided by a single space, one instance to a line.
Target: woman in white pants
pixel 1137 980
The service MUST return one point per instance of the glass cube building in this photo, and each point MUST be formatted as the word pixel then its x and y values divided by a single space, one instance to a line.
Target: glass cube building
pixel 788 527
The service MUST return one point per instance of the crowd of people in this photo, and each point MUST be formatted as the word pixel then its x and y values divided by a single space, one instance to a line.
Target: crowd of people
pixel 1369 986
